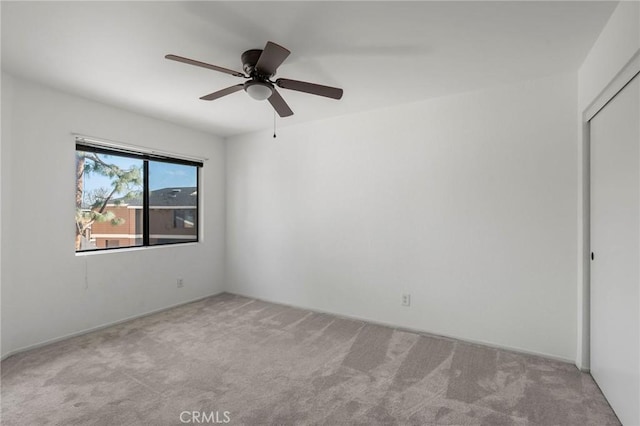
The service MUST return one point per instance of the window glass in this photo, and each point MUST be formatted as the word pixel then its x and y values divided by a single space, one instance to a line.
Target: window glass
pixel 108 196
pixel 173 203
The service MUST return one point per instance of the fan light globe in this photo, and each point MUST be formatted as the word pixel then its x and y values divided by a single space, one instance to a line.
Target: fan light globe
pixel 259 91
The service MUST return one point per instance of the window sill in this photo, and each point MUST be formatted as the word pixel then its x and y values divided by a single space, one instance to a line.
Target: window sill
pixel 132 249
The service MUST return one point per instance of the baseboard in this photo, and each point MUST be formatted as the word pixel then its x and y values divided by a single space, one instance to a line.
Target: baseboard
pixel 419 331
pixel 339 315
pixel 103 326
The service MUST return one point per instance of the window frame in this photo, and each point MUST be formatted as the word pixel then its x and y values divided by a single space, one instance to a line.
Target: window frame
pixel 146 158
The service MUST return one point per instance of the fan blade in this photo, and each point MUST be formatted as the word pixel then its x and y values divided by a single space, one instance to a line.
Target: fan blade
pixel 272 56
pixel 223 92
pixel 204 65
pixel 279 104
pixel 314 89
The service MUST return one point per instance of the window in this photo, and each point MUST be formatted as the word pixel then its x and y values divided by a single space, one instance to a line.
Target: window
pixel 173 209
pixel 128 199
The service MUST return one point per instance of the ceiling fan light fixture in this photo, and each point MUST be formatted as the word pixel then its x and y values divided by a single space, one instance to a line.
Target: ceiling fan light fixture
pixel 258 90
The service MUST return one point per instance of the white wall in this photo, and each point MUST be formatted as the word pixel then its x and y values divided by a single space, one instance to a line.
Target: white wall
pixel 465 202
pixel 49 292
pixel 611 56
pixel 616 45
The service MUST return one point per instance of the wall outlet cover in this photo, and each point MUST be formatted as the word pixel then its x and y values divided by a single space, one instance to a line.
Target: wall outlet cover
pixel 406 300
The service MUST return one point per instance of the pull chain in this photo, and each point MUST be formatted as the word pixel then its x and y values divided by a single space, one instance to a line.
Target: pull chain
pixel 274 124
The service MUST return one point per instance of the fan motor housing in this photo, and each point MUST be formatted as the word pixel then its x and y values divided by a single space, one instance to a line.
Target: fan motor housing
pixel 249 60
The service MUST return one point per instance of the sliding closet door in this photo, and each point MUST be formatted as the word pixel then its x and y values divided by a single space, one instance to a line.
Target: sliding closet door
pixel 615 242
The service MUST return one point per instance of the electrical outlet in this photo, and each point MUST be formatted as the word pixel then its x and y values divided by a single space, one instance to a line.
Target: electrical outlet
pixel 180 282
pixel 406 300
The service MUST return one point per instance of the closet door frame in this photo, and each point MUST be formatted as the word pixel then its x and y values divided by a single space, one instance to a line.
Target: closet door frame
pixel 615 240
pixel 619 82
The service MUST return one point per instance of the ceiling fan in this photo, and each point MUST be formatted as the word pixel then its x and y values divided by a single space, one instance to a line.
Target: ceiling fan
pixel 260 66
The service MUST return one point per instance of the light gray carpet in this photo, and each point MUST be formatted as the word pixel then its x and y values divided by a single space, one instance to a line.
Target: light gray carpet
pixel 271 364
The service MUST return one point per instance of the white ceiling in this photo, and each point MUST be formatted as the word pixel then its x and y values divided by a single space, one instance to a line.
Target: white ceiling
pixel 380 53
